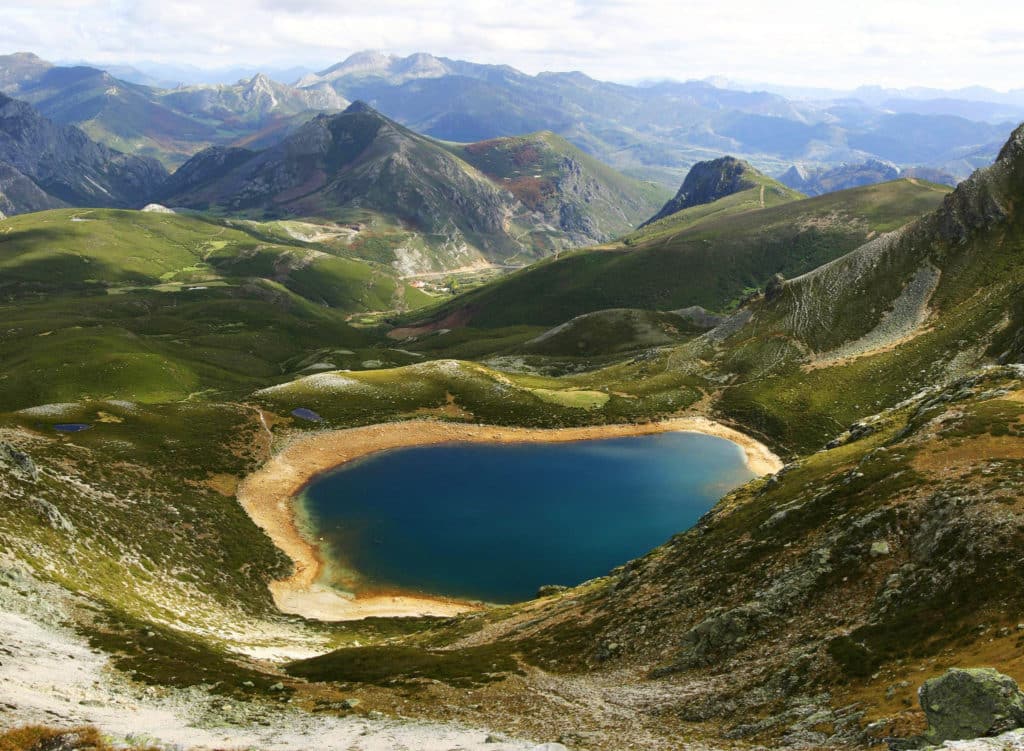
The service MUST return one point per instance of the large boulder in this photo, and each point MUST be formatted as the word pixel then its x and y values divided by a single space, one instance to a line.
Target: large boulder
pixel 971 703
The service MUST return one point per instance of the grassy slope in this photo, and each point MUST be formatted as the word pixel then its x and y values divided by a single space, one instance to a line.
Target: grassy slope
pixel 705 256
pixel 156 307
pixel 973 318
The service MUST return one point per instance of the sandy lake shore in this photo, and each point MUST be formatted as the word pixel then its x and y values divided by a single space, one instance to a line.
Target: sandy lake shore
pixel 268 496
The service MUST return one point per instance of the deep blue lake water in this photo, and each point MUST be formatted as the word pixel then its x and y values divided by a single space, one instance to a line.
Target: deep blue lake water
pixel 494 522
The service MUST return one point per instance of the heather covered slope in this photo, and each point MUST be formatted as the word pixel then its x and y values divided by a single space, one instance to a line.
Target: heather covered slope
pixel 904 311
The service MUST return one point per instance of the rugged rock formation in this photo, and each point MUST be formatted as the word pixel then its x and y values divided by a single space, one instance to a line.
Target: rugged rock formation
pixel 707 182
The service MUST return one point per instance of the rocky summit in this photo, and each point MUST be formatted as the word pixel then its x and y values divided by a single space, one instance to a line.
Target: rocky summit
pixel 707 182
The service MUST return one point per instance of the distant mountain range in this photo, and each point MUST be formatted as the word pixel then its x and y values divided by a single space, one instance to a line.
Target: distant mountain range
pixel 816 181
pixel 653 132
pixel 657 130
pixel 169 124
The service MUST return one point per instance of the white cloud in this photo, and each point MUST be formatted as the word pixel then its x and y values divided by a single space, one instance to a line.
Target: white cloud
pixel 819 42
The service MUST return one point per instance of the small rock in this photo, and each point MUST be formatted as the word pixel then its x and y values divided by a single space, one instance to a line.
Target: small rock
pixel 350 703
pixel 495 738
pixel 277 687
pixel 879 549
pixel 550 589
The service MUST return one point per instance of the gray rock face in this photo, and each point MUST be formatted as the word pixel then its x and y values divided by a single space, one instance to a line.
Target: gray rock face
pixel 21 461
pixel 971 703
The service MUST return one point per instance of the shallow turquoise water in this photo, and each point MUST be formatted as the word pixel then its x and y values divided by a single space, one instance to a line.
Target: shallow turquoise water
pixel 494 522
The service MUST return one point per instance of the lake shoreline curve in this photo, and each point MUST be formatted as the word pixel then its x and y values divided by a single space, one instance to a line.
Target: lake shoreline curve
pixel 269 497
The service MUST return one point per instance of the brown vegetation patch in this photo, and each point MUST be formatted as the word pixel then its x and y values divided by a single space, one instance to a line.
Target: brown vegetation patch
pixel 968 455
pixel 454 320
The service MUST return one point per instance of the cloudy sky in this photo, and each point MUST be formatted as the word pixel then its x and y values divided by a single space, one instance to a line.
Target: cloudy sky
pixel 796 42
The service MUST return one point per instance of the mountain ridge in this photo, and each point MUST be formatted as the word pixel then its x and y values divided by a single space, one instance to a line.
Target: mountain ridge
pixel 360 161
pixel 63 163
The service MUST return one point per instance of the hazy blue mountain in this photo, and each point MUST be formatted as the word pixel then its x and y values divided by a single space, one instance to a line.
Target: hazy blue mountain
pixel 169 124
pixel 818 180
pixel 659 130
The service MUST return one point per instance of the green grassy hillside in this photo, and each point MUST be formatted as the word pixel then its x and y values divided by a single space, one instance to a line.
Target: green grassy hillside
pixel 708 255
pixel 155 307
pixel 904 312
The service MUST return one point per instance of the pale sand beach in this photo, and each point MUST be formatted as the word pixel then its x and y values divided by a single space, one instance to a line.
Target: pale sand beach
pixel 268 496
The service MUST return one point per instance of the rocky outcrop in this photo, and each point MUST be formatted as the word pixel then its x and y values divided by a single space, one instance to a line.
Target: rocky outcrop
pixel 971 703
pixel 19 461
pixel 708 182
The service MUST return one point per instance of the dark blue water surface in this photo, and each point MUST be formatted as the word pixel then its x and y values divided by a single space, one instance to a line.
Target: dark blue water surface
pixel 71 427
pixel 494 522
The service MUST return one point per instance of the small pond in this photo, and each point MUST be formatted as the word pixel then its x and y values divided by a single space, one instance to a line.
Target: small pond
pixel 71 427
